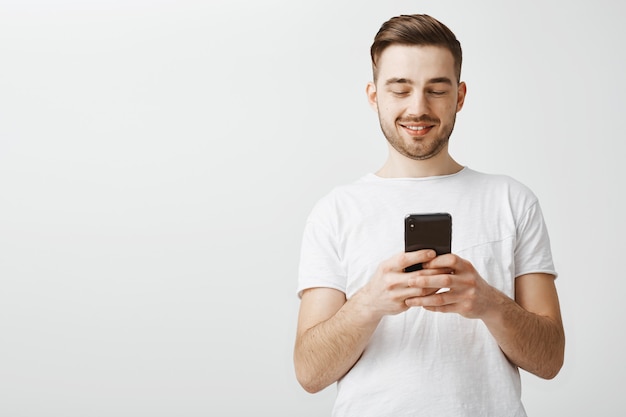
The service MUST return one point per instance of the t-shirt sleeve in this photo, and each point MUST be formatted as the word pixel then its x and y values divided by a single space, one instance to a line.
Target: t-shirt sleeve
pixel 320 260
pixel 532 250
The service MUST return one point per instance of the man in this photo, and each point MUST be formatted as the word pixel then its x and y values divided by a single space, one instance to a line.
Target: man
pixel 400 343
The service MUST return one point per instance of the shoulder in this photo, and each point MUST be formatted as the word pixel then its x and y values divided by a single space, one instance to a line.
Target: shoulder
pixel 342 196
pixel 501 183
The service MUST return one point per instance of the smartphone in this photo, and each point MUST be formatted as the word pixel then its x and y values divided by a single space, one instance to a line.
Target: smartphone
pixel 427 231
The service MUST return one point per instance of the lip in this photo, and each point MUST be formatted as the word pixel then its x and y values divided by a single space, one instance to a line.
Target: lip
pixel 417 129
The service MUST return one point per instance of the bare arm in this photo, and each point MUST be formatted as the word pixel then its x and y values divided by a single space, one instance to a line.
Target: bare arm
pixel 332 332
pixel 528 329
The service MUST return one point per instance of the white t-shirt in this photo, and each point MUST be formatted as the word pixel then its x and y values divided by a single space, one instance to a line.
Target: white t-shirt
pixel 420 363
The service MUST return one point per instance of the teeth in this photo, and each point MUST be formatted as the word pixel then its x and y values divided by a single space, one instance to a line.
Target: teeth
pixel 418 128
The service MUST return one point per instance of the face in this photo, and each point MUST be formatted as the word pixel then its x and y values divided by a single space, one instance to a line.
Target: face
pixel 417 97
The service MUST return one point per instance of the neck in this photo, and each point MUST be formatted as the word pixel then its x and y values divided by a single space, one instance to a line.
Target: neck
pixel 400 166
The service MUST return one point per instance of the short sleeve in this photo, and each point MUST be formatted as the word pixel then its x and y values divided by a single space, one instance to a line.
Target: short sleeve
pixel 532 250
pixel 320 262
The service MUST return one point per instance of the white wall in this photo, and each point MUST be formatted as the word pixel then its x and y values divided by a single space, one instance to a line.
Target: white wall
pixel 158 159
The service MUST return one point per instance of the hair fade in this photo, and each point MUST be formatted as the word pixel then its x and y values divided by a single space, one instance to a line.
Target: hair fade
pixel 418 30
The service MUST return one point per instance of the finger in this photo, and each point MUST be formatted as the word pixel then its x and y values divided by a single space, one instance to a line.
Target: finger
pixel 398 284
pixel 430 271
pixel 395 281
pixel 407 259
pixel 440 301
pixel 448 260
pixel 412 292
pixel 441 309
pixel 426 280
pixel 428 301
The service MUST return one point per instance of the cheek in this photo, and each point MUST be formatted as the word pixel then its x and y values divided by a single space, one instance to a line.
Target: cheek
pixel 387 110
pixel 449 108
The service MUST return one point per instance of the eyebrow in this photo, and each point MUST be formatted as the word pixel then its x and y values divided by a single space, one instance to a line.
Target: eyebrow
pixel 437 80
pixel 398 81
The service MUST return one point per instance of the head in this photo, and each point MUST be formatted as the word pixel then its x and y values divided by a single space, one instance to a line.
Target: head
pixel 417 90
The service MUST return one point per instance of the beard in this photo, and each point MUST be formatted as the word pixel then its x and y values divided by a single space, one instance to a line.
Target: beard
pixel 422 148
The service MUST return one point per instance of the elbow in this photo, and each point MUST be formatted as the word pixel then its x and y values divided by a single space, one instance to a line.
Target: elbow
pixel 310 387
pixel 550 376
pixel 546 370
pixel 554 356
pixel 559 359
pixel 553 366
pixel 308 381
pixel 553 370
pixel 549 373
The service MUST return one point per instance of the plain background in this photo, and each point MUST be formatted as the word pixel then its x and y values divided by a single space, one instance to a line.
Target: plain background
pixel 158 160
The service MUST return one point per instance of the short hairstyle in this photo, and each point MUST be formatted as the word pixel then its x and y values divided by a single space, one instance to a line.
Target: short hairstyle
pixel 418 30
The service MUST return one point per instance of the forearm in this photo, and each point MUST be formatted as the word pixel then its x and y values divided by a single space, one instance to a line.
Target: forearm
pixel 531 341
pixel 326 352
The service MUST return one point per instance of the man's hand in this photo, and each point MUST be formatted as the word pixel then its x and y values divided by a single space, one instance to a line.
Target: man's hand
pixel 469 294
pixel 390 287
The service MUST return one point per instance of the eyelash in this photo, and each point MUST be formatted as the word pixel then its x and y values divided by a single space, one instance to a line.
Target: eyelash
pixel 405 93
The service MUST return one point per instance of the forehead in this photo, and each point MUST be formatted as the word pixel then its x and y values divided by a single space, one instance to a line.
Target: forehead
pixel 416 63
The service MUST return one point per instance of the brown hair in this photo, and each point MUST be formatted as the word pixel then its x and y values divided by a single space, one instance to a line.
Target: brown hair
pixel 419 30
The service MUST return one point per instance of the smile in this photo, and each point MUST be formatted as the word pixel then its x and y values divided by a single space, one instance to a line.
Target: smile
pixel 417 130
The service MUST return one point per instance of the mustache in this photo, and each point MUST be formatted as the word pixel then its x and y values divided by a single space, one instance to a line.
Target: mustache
pixel 421 119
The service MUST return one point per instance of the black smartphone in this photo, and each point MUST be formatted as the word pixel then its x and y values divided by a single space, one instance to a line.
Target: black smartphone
pixel 427 231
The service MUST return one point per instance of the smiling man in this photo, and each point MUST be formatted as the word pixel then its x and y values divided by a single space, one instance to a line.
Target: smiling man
pixel 392 341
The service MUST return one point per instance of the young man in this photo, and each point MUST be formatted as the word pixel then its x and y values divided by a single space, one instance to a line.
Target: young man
pixel 400 343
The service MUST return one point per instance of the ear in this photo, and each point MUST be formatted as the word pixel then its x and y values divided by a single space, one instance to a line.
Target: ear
pixel 460 100
pixel 372 98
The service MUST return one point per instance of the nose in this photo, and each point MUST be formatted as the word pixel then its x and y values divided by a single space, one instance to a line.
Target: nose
pixel 418 105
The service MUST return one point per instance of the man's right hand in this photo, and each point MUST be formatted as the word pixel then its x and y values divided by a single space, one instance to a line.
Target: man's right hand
pixel 386 292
